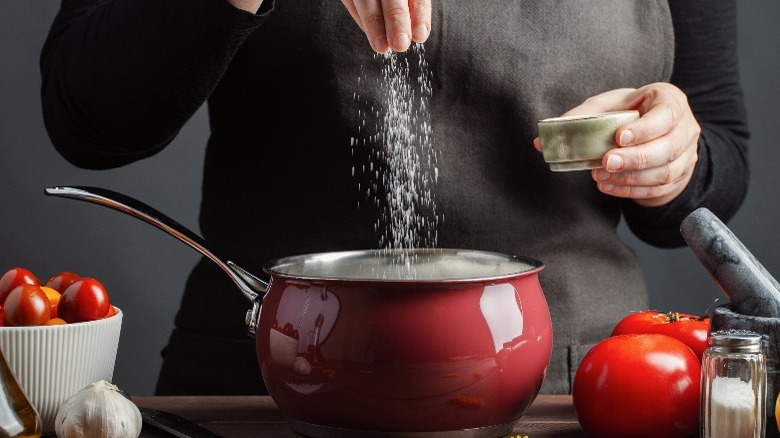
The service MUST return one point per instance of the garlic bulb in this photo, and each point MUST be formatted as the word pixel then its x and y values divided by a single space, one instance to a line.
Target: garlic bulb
pixel 98 411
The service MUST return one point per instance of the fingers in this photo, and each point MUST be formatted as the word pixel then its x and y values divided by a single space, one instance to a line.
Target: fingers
pixel 612 100
pixel 420 11
pixel 392 24
pixel 664 173
pixel 661 112
pixel 538 144
pixel 386 23
pixel 372 22
pixel 666 131
pixel 398 24
pixel 651 195
pixel 350 5
pixel 657 153
pixel 652 173
pixel 648 154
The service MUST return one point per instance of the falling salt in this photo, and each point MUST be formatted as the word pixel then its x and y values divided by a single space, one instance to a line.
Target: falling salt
pixel 402 150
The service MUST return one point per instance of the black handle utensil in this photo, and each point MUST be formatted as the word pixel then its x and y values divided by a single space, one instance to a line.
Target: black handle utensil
pixel 174 424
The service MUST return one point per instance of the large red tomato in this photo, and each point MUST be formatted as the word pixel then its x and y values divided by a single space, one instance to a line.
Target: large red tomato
pixel 84 300
pixel 14 277
pixel 638 386
pixel 27 304
pixel 690 329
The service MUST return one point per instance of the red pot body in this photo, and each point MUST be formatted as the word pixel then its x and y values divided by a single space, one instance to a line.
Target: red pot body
pixel 404 356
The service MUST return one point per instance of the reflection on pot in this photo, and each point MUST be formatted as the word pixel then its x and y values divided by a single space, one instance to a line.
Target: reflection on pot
pixel 284 348
pixel 503 314
pixel 302 366
pixel 309 310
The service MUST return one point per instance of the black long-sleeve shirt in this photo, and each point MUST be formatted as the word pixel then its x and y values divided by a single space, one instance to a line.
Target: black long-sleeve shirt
pixel 120 78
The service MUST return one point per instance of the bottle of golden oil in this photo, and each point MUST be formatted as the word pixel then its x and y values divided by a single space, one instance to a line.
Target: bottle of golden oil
pixel 18 417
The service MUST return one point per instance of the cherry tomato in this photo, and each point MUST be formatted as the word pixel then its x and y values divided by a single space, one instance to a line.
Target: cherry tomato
pixel 61 281
pixel 84 300
pixel 638 386
pixel 27 304
pixel 14 277
pixel 54 299
pixel 777 411
pixel 111 311
pixel 56 321
pixel 2 316
pixel 690 329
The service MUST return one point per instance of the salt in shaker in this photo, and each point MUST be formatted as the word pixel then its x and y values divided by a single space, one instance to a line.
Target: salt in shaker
pixel 733 385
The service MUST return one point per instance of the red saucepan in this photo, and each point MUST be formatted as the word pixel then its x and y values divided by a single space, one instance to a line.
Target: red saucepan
pixel 388 343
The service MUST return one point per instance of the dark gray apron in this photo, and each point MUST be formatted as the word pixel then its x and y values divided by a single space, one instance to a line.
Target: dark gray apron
pixel 283 116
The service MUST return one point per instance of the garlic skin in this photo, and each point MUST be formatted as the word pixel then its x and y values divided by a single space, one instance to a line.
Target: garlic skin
pixel 98 411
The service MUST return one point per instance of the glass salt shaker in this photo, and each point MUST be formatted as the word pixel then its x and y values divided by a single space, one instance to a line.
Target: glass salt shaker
pixel 733 385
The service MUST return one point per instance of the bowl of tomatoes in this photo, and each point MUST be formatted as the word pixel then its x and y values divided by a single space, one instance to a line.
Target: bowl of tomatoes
pixel 57 336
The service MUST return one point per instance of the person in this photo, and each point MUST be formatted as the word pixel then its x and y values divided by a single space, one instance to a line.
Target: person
pixel 281 78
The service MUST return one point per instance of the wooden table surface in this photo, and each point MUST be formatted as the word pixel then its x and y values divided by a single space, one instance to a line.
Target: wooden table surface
pixel 250 416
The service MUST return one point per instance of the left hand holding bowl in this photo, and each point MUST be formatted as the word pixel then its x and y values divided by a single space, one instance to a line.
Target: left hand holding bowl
pixel 657 153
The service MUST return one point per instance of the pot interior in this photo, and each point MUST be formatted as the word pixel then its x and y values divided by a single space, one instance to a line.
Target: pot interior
pixel 404 265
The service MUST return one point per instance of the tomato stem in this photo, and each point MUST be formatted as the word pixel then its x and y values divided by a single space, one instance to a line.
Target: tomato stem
pixel 709 310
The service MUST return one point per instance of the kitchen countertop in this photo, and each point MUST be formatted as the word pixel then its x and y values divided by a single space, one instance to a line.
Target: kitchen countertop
pixel 243 416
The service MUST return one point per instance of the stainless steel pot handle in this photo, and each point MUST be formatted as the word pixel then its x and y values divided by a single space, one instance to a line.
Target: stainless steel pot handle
pixel 252 287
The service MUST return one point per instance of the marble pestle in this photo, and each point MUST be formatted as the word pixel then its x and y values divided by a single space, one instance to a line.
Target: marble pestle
pixel 750 287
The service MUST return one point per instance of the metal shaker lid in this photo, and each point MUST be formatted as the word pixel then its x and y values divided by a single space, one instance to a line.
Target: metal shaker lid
pixel 738 341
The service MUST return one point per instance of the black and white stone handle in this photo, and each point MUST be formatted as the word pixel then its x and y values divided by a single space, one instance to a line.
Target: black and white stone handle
pixel 750 287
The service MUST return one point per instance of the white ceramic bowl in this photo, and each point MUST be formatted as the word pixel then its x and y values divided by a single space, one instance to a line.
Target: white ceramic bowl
pixel 54 362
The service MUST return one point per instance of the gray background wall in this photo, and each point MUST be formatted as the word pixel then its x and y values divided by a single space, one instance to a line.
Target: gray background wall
pixel 145 270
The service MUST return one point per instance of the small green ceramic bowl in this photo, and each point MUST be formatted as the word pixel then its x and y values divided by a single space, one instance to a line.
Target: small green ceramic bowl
pixel 580 142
